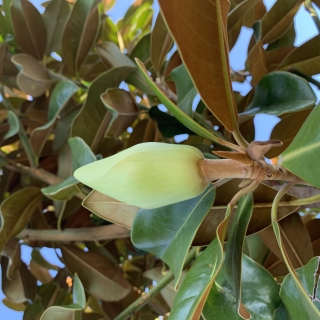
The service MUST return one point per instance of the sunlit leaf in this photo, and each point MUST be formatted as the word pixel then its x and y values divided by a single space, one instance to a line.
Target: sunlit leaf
pixel 204 52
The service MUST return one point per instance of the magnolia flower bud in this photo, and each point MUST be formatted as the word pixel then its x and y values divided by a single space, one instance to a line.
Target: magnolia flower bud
pixel 148 175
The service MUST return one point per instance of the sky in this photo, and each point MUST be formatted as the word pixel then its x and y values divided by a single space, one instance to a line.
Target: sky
pixel 264 123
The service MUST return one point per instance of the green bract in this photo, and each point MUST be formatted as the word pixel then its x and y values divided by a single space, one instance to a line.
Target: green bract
pixel 148 175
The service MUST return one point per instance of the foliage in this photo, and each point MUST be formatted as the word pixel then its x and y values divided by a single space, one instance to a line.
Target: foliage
pixel 77 87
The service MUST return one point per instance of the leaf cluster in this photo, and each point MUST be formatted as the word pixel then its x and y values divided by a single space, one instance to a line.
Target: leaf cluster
pixel 77 87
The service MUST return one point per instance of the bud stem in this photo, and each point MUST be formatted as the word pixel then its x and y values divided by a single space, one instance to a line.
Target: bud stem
pixel 213 169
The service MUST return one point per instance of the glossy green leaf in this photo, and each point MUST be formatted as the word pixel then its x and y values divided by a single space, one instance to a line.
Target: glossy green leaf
pixel 29 28
pixel 185 87
pixel 16 211
pixel 93 118
pixel 234 247
pixel 302 155
pixel 194 290
pixel 55 18
pixel 167 232
pixel 14 125
pixel 281 313
pixel 80 33
pixel 295 307
pixel 255 248
pixel 168 125
pixel 281 92
pixel 260 294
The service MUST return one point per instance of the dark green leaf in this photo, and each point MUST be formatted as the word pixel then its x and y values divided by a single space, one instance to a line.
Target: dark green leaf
pixel 234 247
pixel 260 294
pixel 281 92
pixel 290 296
pixel 168 125
pixel 167 232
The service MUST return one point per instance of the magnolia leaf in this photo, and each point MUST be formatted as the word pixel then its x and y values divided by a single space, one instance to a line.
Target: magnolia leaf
pixel 300 156
pixel 263 197
pixel 276 21
pixel 286 130
pixel 176 112
pixel 194 290
pixel 168 231
pixel 168 125
pixel 210 72
pixel 60 95
pixel 16 211
pixel 80 33
pixel 29 28
pixel 122 108
pixel 55 18
pixel 295 306
pixel 112 57
pixel 22 286
pixel 90 124
pixel 99 275
pixel 14 125
pixel 260 294
pixel 110 209
pixel 296 242
pixel 234 248
pixel 281 92
pixel 81 156
pixel 33 78
pixel 185 87
pixel 161 43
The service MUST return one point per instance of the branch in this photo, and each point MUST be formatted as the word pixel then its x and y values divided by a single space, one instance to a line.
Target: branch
pixel 144 299
pixel 99 233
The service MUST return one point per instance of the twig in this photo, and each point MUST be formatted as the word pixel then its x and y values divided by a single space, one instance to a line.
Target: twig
pixel 139 303
pixel 98 233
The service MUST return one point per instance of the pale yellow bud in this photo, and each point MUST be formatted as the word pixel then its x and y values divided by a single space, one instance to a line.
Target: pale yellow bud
pixel 148 175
